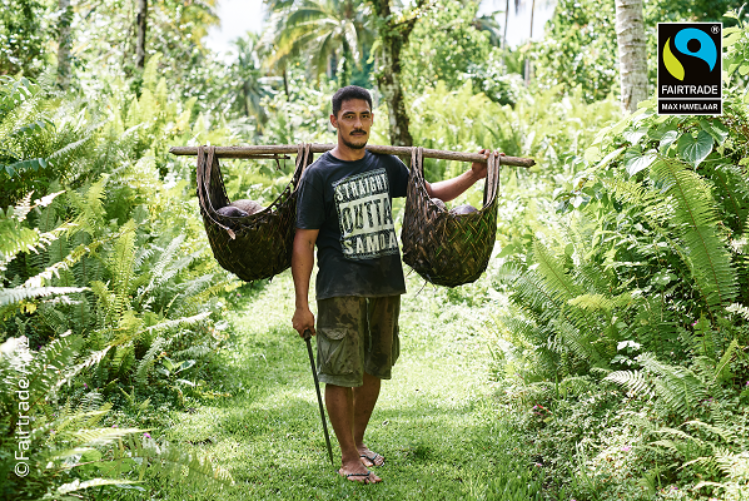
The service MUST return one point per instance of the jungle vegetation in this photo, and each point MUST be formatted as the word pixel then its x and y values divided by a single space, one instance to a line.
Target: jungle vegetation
pixel 615 309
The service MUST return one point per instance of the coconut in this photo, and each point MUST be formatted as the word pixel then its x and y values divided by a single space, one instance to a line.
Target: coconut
pixel 247 205
pixel 464 209
pixel 439 203
pixel 231 211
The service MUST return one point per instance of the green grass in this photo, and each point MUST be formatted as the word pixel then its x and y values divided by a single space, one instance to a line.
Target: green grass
pixel 435 422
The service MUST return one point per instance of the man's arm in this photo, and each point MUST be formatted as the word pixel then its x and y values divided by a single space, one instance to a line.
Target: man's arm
pixel 451 189
pixel 302 261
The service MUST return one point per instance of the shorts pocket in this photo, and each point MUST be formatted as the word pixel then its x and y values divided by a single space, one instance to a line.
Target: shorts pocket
pixel 338 351
pixel 336 333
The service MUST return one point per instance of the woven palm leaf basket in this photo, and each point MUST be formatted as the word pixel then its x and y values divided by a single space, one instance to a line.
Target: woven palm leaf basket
pixel 256 246
pixel 445 248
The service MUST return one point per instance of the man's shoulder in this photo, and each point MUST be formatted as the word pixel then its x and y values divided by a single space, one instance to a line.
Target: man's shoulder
pixel 389 160
pixel 318 168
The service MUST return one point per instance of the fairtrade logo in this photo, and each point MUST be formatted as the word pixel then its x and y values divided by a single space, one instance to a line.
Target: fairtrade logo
pixel 708 52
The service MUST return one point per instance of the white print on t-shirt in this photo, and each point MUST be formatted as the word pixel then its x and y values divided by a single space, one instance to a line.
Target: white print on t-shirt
pixel 365 216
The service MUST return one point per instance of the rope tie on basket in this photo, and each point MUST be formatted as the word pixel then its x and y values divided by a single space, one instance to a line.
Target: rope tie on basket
pixel 204 159
pixel 303 152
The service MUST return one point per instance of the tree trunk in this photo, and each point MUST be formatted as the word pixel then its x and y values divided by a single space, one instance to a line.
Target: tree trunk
pixel 633 64
pixel 394 37
pixel 528 64
pixel 140 50
pixel 63 47
pixel 344 67
pixel 286 84
pixel 246 98
pixel 507 20
pixel 533 11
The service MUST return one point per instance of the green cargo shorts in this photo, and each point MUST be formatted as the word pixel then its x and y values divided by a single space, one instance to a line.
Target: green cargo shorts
pixel 354 335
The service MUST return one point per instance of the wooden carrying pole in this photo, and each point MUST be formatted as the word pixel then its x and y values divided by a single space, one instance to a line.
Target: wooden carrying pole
pixel 276 149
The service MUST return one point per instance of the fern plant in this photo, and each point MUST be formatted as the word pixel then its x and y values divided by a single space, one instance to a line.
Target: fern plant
pixel 130 282
pixel 61 447
pixel 40 142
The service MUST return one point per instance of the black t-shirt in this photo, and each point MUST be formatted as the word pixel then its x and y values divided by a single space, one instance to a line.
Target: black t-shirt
pixel 350 203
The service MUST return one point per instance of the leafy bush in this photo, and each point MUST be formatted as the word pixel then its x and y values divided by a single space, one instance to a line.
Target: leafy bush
pixel 22 40
pixel 580 43
pixel 443 45
pixel 138 279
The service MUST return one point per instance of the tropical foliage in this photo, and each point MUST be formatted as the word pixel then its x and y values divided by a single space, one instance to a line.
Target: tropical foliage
pixel 620 277
pixel 638 280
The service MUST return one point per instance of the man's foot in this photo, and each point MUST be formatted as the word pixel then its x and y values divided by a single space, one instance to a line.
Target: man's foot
pixel 370 458
pixel 359 474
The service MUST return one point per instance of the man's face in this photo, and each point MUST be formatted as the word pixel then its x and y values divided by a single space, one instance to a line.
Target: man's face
pixel 353 123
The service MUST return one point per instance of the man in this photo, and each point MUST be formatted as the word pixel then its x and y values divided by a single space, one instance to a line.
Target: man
pixel 344 207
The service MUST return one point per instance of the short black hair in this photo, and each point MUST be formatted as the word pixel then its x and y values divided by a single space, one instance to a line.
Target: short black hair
pixel 350 92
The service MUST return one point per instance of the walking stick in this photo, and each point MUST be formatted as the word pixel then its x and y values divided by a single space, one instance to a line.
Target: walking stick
pixel 307 336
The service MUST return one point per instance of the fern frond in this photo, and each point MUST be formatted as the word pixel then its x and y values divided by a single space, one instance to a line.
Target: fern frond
pixel 723 432
pixel 177 465
pixel 91 360
pixel 18 294
pixel 600 302
pixel 194 352
pixel 70 149
pixel 102 436
pixel 89 205
pixel 678 387
pixel 725 359
pixel 669 445
pixel 120 263
pixel 146 363
pixel 579 342
pixel 64 264
pixel 555 277
pixel 652 207
pixel 634 380
pixel 179 322
pixel 77 485
pixel 734 466
pixel 696 218
pixel 680 434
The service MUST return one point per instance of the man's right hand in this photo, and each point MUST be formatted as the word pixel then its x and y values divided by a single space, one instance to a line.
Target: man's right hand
pixel 303 320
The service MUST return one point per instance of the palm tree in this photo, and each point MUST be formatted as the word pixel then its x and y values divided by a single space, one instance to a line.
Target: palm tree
pixel 249 77
pixel 488 23
pixel 321 30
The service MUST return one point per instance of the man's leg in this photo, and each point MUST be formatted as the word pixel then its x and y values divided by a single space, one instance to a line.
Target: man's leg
pixel 383 348
pixel 339 401
pixel 365 398
pixel 342 336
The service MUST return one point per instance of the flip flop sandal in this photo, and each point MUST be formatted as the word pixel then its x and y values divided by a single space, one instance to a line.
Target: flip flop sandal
pixel 373 459
pixel 360 475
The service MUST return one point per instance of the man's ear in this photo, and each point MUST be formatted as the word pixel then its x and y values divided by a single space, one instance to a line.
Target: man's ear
pixel 333 121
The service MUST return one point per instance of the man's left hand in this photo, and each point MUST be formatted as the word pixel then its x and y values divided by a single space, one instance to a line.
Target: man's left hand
pixel 479 169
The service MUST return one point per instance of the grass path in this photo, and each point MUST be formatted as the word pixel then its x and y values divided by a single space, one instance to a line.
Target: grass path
pixel 434 422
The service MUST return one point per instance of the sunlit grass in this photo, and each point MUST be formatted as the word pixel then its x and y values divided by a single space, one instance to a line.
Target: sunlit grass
pixel 434 422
